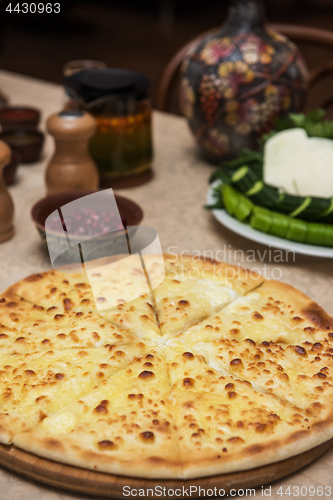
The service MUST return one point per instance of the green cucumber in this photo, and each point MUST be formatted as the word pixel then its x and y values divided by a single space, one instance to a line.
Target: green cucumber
pixel 329 235
pixel 307 208
pixel 327 215
pixel 231 198
pixel 255 189
pixel 275 223
pixel 287 203
pixel 243 209
pixel 243 179
pixel 280 225
pixel 261 219
pixel 318 207
pixel 297 230
pixel 256 168
pixel 263 194
pixel 236 204
pixel 301 208
pixel 316 233
pixel 311 208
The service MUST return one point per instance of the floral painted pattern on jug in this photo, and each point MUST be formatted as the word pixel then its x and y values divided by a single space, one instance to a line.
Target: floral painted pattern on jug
pixel 233 88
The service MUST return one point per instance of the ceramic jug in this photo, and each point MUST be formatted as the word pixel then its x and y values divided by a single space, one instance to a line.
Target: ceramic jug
pixel 238 80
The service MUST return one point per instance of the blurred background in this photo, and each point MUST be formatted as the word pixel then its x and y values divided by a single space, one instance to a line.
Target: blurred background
pixel 140 36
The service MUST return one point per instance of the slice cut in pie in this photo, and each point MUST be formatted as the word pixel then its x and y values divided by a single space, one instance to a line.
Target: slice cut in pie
pixel 213 371
pixel 300 374
pixel 225 423
pixel 137 316
pixel 273 312
pixel 72 292
pixel 124 424
pixel 27 328
pixel 34 385
pixel 194 289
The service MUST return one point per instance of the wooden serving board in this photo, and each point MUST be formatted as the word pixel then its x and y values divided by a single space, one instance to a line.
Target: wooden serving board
pixel 90 482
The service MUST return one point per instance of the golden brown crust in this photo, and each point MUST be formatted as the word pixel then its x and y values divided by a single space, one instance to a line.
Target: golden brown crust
pixel 255 456
pixel 142 464
pixel 301 312
pixel 187 466
pixel 318 317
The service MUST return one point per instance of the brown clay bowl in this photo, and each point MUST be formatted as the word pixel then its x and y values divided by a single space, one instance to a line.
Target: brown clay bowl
pixel 130 213
pixel 19 117
pixel 9 172
pixel 28 143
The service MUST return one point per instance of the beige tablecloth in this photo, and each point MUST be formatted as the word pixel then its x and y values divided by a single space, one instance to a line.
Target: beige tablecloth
pixel 173 204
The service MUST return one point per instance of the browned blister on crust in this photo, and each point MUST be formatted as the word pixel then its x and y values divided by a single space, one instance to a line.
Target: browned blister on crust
pixel 35 385
pixel 300 374
pixel 272 312
pixel 124 424
pixel 227 424
pixel 195 288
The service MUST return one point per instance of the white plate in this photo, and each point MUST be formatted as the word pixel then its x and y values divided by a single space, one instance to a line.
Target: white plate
pixel 266 239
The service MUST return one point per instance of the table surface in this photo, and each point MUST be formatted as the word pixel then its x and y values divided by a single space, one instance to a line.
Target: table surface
pixel 173 205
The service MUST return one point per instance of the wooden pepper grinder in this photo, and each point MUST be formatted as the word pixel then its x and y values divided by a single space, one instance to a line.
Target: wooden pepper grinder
pixel 6 203
pixel 71 167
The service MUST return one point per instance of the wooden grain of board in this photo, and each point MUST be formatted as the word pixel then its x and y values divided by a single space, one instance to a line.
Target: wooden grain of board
pixel 90 482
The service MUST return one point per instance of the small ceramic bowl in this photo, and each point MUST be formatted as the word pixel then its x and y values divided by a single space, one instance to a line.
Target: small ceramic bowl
pixel 28 143
pixel 130 213
pixel 9 172
pixel 19 117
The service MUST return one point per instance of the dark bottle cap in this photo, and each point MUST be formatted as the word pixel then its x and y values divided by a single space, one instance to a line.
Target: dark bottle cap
pixel 93 83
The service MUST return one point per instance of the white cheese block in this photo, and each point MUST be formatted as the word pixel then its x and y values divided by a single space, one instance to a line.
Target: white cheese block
pixel 298 164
